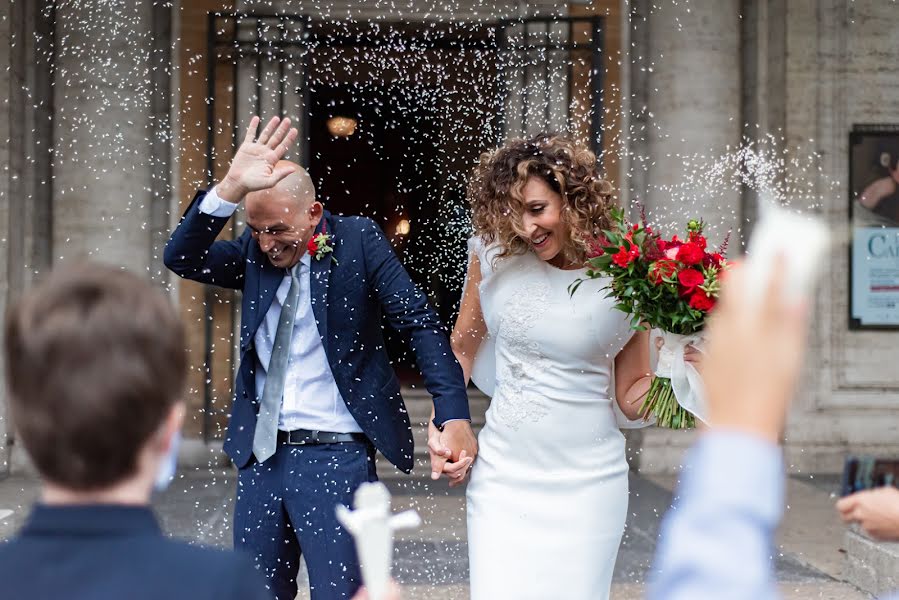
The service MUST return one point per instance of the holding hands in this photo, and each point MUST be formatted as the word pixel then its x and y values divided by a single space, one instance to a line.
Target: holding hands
pixel 393 593
pixel 452 451
pixel 254 166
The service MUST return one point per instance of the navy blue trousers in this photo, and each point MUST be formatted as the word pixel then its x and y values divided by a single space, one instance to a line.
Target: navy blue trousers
pixel 285 510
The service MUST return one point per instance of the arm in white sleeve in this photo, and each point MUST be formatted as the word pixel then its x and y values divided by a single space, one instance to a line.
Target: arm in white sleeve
pixel 213 204
pixel 718 540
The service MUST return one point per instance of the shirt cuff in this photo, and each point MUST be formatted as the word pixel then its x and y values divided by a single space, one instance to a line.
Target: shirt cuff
pixel 732 469
pixel 212 204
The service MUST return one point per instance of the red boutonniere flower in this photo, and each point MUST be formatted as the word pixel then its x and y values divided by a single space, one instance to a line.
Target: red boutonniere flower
pixel 321 244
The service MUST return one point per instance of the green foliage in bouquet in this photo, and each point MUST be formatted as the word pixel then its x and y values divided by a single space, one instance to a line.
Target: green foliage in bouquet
pixel 663 284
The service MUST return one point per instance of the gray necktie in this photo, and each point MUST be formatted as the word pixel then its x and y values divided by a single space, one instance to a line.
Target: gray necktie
pixel 265 438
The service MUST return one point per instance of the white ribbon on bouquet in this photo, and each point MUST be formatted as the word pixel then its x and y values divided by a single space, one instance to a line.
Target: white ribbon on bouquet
pixel 686 383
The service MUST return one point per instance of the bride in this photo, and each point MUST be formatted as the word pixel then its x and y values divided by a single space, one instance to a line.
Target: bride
pixel 548 494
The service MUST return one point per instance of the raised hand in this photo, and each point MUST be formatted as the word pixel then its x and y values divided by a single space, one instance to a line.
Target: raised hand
pixel 253 166
pixel 754 355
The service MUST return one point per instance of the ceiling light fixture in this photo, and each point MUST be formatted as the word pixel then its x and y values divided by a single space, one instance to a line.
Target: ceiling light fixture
pixel 341 126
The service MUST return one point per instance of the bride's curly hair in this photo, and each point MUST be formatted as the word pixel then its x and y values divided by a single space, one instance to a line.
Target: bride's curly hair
pixel 569 168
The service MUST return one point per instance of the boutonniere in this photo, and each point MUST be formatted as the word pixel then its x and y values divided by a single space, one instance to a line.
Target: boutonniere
pixel 321 244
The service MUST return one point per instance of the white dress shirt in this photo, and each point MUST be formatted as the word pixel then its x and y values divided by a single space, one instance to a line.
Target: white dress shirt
pixel 311 398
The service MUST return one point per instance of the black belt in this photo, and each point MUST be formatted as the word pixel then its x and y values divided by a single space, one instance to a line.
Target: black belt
pixel 302 437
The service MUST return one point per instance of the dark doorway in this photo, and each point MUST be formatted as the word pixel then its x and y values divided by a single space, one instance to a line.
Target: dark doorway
pixel 427 98
pixel 374 152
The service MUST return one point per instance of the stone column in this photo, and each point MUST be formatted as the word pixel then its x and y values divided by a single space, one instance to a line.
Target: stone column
pixel 764 64
pixel 12 75
pixel 694 113
pixel 104 164
pixel 685 112
pixel 25 125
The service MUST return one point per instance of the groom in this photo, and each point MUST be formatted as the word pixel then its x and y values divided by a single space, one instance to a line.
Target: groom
pixel 315 394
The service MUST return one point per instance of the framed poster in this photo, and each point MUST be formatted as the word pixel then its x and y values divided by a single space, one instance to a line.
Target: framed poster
pixel 874 219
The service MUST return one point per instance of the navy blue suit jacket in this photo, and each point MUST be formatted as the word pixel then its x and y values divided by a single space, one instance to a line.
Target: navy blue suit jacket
pixel 347 300
pixel 109 552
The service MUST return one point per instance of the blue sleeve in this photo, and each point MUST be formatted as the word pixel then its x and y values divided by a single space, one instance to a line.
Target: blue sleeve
pixel 407 311
pixel 194 253
pixel 718 539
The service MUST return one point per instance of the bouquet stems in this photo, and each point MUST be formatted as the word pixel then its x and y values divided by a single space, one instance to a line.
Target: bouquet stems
pixel 661 403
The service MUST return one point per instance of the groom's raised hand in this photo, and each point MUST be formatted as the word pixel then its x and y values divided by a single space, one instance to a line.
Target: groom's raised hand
pixel 254 164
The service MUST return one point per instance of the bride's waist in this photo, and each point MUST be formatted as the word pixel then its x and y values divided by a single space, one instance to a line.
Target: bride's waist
pixel 517 389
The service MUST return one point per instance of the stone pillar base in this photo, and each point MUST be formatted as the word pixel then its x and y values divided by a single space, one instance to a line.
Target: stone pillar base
pixel 872 566
pixel 654 451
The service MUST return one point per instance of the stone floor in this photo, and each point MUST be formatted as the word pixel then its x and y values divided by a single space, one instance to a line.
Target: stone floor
pixel 432 563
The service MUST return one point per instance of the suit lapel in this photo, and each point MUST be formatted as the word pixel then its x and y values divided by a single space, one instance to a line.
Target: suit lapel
pixel 320 271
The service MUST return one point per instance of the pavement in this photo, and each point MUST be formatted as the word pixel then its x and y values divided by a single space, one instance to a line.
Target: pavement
pixel 431 562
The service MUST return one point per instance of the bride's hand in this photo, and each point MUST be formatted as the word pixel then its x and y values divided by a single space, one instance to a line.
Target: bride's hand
pixel 393 592
pixel 694 357
pixel 441 457
pixel 458 471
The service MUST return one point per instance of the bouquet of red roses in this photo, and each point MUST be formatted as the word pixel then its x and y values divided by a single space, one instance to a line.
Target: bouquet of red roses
pixel 669 285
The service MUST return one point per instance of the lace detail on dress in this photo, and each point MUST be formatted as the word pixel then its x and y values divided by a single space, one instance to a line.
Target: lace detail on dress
pixel 516 403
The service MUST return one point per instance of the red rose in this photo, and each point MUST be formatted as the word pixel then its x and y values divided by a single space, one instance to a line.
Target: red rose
pixel 662 269
pixel 701 301
pixel 690 254
pixel 621 258
pixel 624 257
pixel 312 247
pixel 689 280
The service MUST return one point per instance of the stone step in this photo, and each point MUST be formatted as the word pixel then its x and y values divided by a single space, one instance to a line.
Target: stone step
pixel 873 566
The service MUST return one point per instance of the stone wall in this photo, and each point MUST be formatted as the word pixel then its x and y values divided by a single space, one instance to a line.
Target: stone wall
pixel 686 88
pixel 104 134
pixel 25 180
pixel 11 74
pixel 843 69
pixel 84 119
pixel 809 71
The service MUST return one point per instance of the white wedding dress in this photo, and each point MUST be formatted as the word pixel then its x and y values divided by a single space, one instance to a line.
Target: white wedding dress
pixel 548 493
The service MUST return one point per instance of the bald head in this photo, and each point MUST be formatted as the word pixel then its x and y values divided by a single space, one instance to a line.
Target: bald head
pixel 283 217
pixel 297 186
